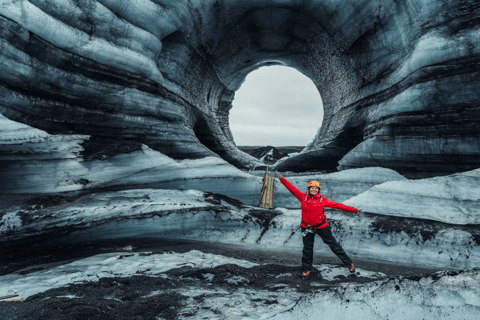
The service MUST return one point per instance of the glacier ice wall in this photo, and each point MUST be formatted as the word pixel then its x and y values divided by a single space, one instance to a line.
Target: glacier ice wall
pixel 194 215
pixel 450 199
pixel 33 161
pixel 398 79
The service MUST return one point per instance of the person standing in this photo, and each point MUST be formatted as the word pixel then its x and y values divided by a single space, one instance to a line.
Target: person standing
pixel 315 222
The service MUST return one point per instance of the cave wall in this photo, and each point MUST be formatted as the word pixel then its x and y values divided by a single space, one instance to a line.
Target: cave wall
pixel 398 79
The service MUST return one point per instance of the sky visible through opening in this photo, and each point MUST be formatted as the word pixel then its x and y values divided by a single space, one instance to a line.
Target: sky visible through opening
pixel 276 106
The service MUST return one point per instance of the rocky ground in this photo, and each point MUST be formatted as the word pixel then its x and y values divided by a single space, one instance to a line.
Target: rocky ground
pixel 131 297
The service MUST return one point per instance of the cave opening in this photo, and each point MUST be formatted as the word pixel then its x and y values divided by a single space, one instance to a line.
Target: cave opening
pixel 276 106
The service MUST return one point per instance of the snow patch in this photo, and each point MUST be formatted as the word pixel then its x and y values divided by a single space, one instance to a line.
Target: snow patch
pixel 332 273
pixel 440 296
pixel 110 265
pixel 10 222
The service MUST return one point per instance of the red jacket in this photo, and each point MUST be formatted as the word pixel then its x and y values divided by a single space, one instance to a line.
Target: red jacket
pixel 313 207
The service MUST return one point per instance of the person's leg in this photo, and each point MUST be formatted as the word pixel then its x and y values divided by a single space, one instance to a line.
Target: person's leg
pixel 307 258
pixel 329 239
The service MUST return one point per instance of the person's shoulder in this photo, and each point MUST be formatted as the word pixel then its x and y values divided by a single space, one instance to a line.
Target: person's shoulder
pixel 326 199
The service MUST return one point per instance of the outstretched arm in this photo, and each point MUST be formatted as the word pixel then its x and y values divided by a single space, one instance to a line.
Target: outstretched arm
pixel 341 206
pixel 294 190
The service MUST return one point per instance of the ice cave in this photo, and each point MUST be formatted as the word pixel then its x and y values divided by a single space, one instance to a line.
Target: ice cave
pixel 124 195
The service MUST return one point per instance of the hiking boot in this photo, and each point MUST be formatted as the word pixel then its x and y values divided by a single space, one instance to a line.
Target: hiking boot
pixel 351 268
pixel 305 275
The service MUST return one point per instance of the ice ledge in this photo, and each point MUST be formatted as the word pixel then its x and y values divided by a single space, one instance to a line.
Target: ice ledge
pixel 198 216
pixel 453 199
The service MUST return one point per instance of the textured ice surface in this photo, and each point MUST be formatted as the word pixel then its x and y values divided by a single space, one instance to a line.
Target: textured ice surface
pixel 453 199
pixel 164 73
pixel 100 208
pixel 35 20
pixel 443 295
pixel 110 265
pixel 34 161
pixel 194 215
pixel 331 273
pixel 37 162
pixel 400 91
pixel 338 186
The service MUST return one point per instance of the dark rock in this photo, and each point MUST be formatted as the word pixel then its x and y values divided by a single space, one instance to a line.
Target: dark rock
pixel 110 298
pixel 216 199
pixel 263 217
pixel 424 230
pixel 100 149
pixel 268 154
pixel 47 201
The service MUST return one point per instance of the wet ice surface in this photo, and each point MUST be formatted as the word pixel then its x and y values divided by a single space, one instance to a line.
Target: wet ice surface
pixel 201 285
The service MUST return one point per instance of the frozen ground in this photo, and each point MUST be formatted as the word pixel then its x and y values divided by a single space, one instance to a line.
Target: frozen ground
pixel 199 285
pixel 429 223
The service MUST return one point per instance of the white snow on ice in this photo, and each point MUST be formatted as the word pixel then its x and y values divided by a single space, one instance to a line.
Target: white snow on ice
pixel 110 265
pixel 441 297
pixel 331 273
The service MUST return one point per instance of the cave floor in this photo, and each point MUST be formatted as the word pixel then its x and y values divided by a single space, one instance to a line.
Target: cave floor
pixel 143 297
pixel 26 262
pixel 274 284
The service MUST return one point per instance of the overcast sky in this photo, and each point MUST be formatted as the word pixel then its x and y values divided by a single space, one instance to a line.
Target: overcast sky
pixel 276 106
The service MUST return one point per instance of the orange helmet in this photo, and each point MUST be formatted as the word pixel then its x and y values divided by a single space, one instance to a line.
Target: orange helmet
pixel 314 184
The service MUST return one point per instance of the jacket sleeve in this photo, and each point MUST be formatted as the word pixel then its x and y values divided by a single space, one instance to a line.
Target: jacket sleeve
pixel 294 190
pixel 341 206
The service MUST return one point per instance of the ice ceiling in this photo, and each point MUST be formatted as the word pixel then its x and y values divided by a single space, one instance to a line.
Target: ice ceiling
pixel 398 79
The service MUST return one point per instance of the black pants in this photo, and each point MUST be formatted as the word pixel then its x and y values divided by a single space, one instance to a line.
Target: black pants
pixel 327 237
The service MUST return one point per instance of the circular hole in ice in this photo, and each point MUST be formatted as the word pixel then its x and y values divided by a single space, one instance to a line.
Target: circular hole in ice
pixel 276 106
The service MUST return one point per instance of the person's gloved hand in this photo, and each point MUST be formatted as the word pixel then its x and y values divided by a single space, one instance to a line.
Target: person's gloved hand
pixel 277 175
pixel 360 213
